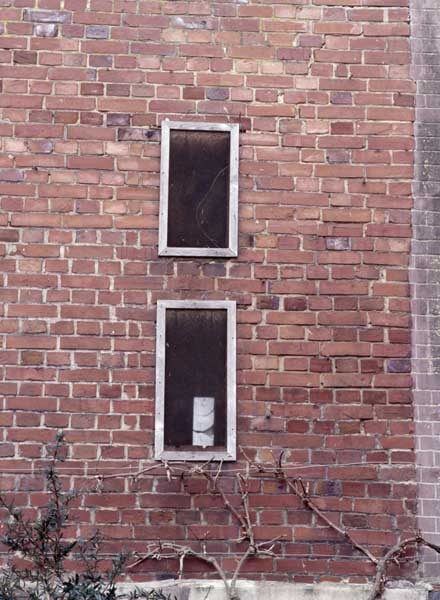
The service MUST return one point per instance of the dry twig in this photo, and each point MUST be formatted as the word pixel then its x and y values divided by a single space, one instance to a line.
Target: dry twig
pixel 301 490
pixel 243 516
pixel 296 485
pixel 393 554
pixel 170 550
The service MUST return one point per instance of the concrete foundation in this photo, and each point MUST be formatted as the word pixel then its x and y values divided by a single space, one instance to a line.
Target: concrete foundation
pixel 196 589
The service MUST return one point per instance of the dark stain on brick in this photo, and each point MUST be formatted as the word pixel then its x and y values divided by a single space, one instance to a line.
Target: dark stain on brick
pixel 97 32
pixel 21 57
pixel 268 302
pixel 217 93
pixel 295 304
pixel 92 89
pixel 11 175
pixel 118 119
pixel 9 235
pixel 399 366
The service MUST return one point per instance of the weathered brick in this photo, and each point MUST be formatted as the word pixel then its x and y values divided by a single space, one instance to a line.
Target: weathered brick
pixel 46 30
pixel 295 304
pixel 118 119
pixel 47 16
pixel 337 243
pixel 11 175
pixel 217 93
pixel 22 57
pixel 137 134
pixel 97 32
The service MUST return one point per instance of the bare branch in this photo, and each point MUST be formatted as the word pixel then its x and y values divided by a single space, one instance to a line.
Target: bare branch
pixel 393 554
pixel 301 490
pixel 214 482
pixel 243 559
pixel 169 550
pixel 156 467
pixel 242 515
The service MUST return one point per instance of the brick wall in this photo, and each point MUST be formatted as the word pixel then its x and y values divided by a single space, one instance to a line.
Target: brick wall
pixel 322 91
pixel 425 272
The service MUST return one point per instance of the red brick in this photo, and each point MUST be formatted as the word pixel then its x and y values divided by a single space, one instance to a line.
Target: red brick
pixel 90 162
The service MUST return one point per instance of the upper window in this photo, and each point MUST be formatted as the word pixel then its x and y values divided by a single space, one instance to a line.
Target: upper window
pixel 199 189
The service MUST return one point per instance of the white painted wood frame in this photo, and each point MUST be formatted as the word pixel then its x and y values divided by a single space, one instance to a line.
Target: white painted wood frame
pixel 230 451
pixel 232 249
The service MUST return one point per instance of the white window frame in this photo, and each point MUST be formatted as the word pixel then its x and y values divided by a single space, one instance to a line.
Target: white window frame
pixel 232 249
pixel 230 452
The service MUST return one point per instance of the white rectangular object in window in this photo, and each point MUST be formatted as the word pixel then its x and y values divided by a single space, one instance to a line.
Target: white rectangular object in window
pixel 195 380
pixel 199 189
pixel 203 421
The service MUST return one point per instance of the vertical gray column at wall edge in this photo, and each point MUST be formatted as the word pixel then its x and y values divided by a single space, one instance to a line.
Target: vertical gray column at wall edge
pixel 425 271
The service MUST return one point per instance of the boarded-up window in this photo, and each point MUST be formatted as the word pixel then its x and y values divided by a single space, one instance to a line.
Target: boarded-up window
pixel 199 189
pixel 195 367
pixel 195 379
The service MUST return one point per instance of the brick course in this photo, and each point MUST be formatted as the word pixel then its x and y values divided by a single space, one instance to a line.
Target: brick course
pixel 325 101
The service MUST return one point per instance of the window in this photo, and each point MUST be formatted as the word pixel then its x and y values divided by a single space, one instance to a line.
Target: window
pixel 199 189
pixel 195 380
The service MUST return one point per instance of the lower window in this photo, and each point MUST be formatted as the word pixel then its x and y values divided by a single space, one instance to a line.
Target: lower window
pixel 195 380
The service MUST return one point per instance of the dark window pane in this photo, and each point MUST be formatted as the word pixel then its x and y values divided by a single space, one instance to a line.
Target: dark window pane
pixel 198 193
pixel 195 367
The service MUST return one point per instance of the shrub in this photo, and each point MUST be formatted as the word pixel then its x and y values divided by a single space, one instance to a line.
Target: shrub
pixel 41 546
